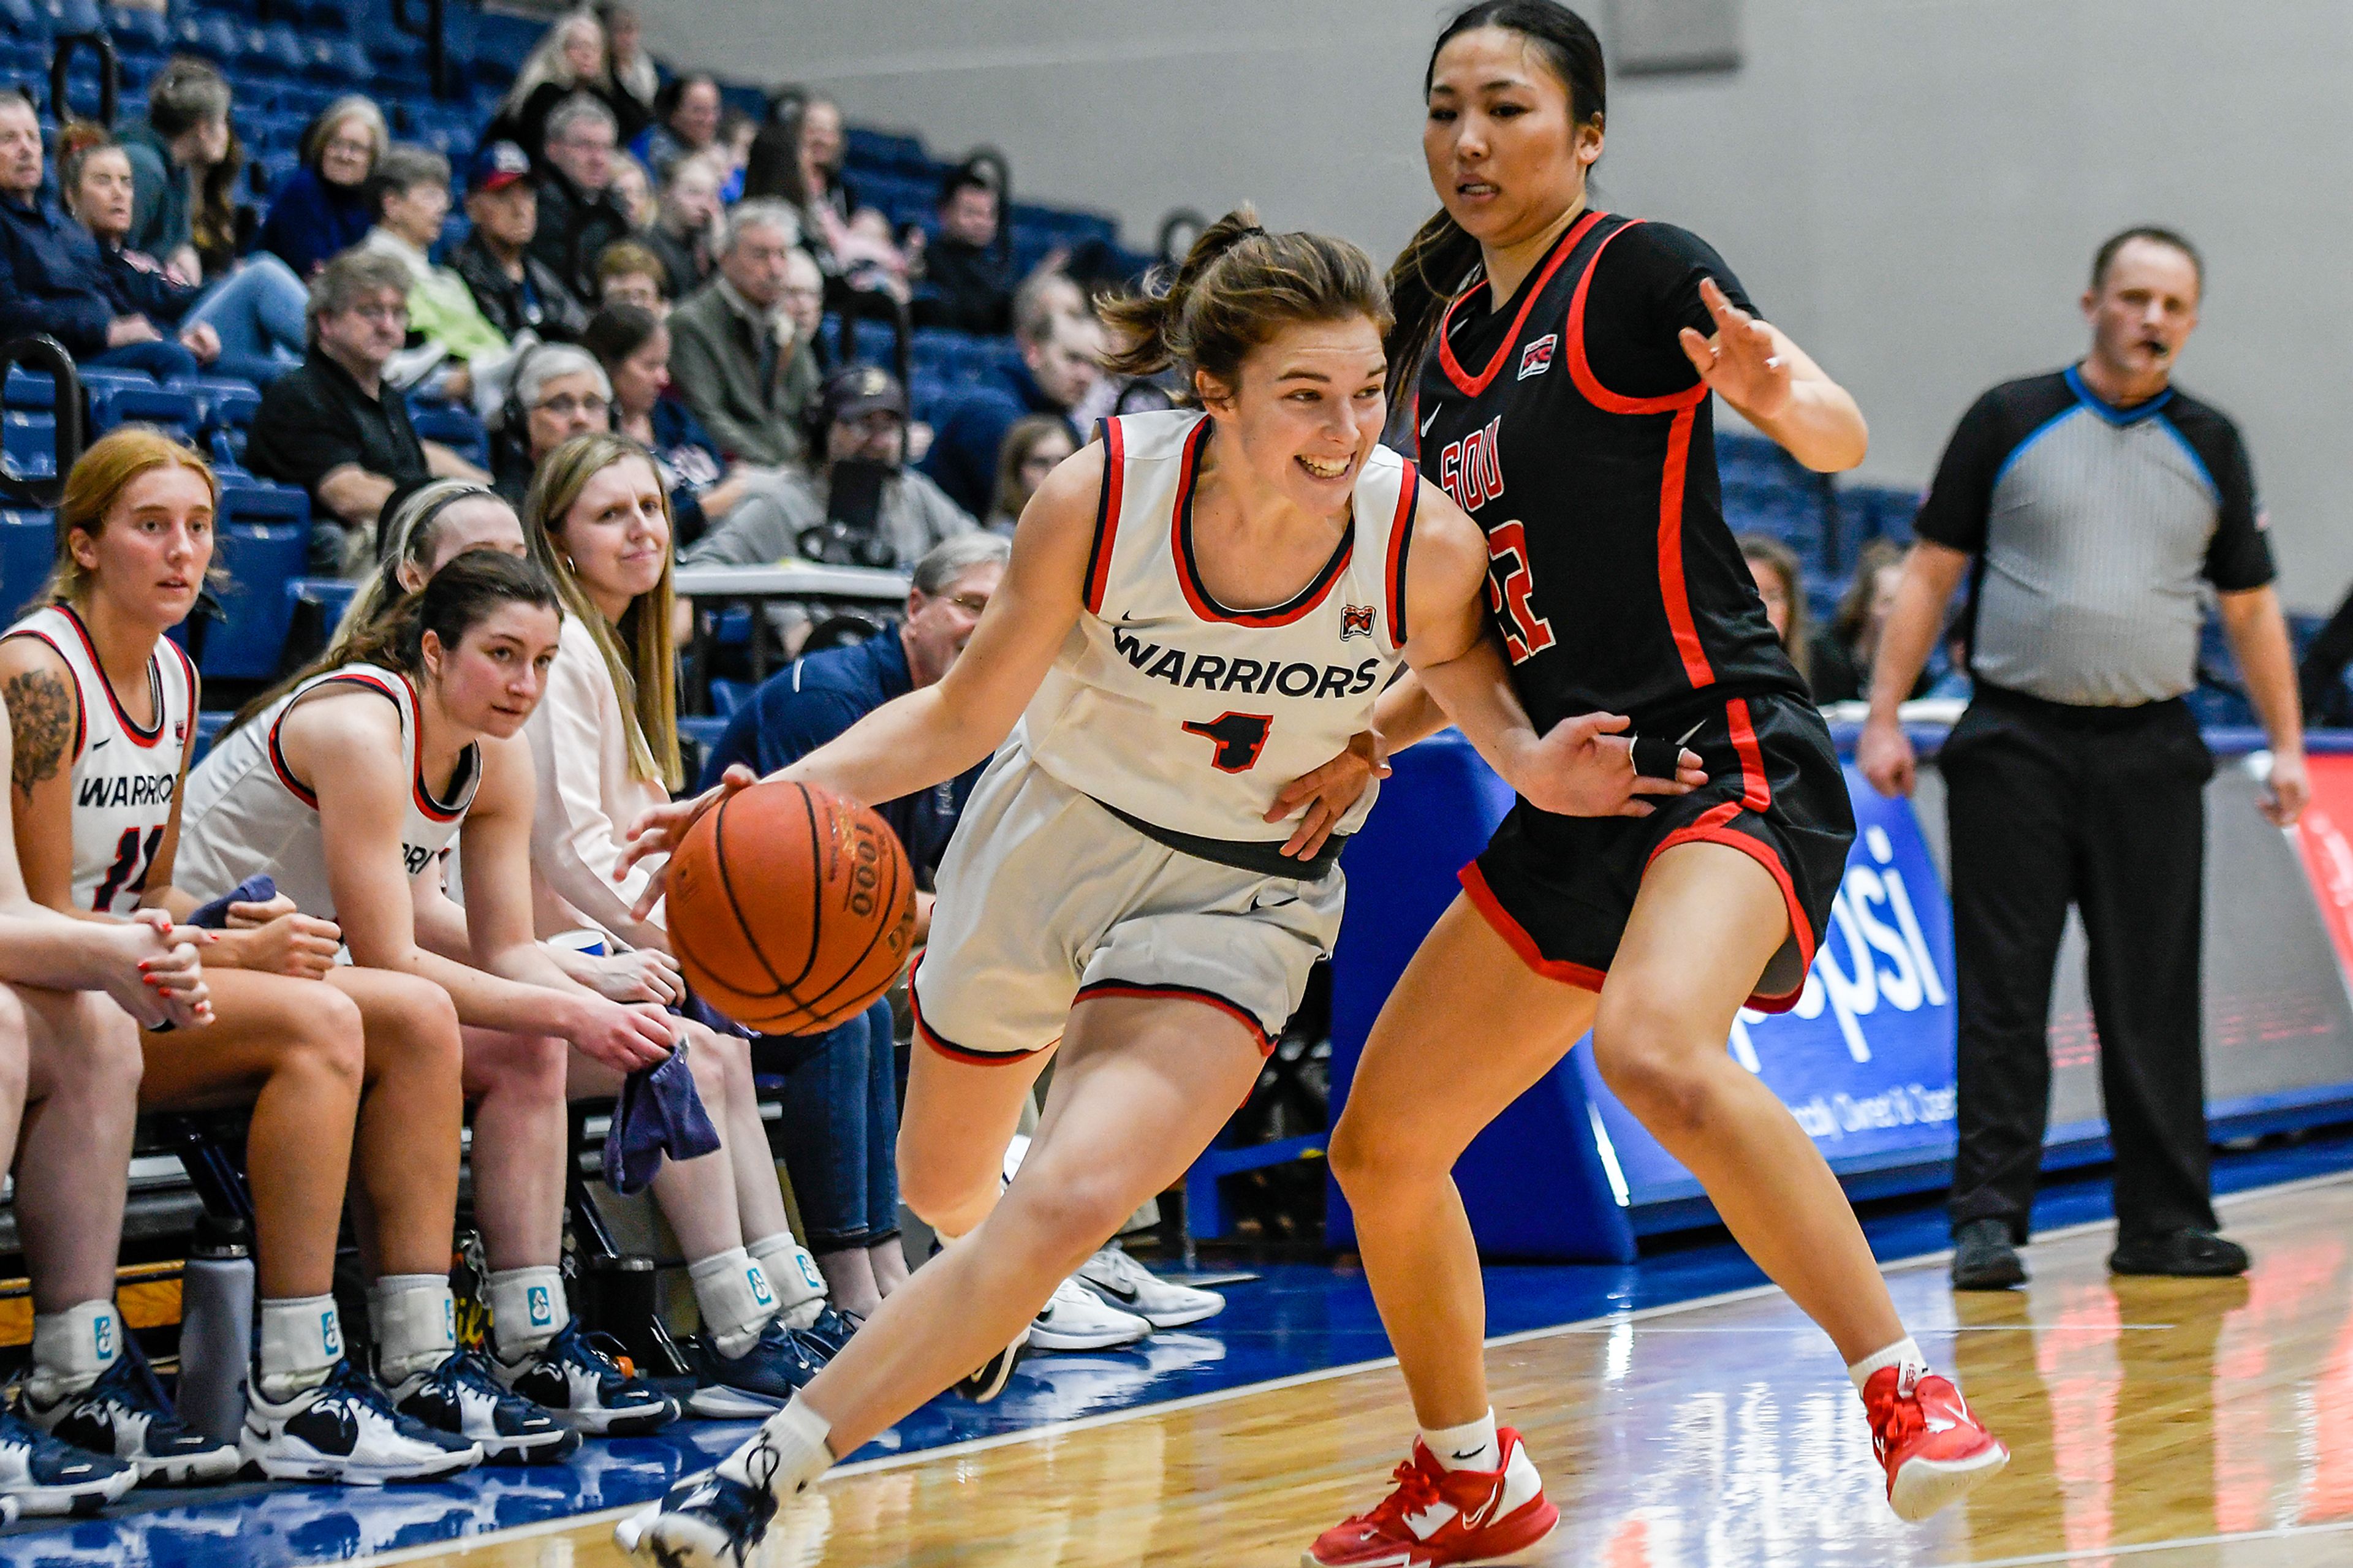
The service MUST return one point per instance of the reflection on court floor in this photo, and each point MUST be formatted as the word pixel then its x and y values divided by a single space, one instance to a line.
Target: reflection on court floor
pixel 2157 1424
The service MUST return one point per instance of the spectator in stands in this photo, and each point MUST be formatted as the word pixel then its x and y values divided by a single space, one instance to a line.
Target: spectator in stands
pixel 1061 363
pixel 579 215
pixel 173 152
pixel 249 324
pixel 53 278
pixel 1843 653
pixel 1033 447
pixel 686 116
pixel 2091 510
pixel 516 291
pixel 569 61
pixel 683 217
pixel 861 416
pixel 560 392
pixel 333 428
pixel 795 158
pixel 320 211
pixel 733 152
pixel 604 739
pixel 634 77
pixel 1781 584
pixel 804 305
pixel 633 190
pixel 629 274
pixel 840 1120
pixel 967 284
pixel 742 362
pixel 410 194
pixel 633 345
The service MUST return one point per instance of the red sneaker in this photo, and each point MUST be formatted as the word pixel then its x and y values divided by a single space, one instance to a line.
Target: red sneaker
pixel 1934 1450
pixel 1440 1516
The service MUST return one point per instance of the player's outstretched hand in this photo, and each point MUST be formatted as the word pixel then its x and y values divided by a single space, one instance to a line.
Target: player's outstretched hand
pixel 659 830
pixel 1327 792
pixel 1738 361
pixel 1584 767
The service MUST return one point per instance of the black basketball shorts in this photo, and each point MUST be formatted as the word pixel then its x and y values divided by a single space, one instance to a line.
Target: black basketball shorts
pixel 1558 888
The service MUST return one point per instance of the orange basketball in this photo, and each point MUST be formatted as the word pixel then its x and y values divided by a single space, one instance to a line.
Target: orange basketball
pixel 790 909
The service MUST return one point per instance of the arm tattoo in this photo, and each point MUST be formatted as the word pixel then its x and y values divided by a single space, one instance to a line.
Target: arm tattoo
pixel 41 717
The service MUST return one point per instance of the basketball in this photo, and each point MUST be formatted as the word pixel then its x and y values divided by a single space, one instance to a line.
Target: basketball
pixel 791 908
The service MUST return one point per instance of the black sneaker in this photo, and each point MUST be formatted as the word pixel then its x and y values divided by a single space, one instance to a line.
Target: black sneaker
pixel 126 1416
pixel 757 1383
pixel 578 1378
pixel 989 1380
pixel 2184 1254
pixel 1983 1257
pixel 43 1476
pixel 461 1396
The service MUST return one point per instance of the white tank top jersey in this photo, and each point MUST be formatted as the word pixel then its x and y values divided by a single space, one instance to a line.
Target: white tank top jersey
pixel 123 773
pixel 1182 714
pixel 247 812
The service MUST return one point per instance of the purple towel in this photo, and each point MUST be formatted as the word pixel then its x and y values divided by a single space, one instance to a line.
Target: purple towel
pixel 255 889
pixel 658 1113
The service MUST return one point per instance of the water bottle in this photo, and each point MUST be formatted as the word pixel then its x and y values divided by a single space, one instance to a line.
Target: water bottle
pixel 216 1327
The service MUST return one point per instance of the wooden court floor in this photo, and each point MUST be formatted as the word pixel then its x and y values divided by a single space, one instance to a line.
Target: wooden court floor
pixel 2155 1424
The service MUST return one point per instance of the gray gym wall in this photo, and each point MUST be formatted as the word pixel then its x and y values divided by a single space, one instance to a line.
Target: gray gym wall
pixel 1912 188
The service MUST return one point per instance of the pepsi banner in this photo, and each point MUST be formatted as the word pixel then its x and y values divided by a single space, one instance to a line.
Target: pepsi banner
pixel 1865 1060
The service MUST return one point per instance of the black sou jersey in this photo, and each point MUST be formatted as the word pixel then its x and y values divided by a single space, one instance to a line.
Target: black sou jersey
pixel 1611 575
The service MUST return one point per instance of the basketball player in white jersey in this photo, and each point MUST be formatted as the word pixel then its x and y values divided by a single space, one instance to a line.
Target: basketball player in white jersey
pixel 102 723
pixel 346 785
pixel 1200 607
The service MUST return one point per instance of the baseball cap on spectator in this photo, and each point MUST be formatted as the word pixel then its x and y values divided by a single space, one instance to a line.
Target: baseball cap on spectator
pixel 855 391
pixel 498 166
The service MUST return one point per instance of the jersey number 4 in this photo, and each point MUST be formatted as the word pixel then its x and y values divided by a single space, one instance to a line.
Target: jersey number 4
pixel 1241 737
pixel 1526 633
pixel 129 872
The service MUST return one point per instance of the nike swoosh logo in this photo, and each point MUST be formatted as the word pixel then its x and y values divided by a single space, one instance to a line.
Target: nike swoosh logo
pixel 1478 1517
pixel 1428 422
pixel 1935 1426
pixel 1131 1297
pixel 102 741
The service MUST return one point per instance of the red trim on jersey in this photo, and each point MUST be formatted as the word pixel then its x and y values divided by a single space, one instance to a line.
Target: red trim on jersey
pixel 470 761
pixel 1673 592
pixel 1581 371
pixel 1470 386
pixel 142 737
pixel 1106 515
pixel 956 1053
pixel 1757 790
pixel 1226 1004
pixel 1180 549
pixel 81 729
pixel 1515 936
pixel 277 763
pixel 1400 542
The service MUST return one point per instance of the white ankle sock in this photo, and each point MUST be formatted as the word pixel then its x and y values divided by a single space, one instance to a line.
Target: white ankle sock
pixel 793 1275
pixel 72 1349
pixel 786 1455
pixel 1903 1354
pixel 302 1341
pixel 1470 1447
pixel 737 1299
pixel 527 1309
pixel 416 1321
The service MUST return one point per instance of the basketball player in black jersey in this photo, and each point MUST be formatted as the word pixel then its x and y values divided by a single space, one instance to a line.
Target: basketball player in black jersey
pixel 1561 362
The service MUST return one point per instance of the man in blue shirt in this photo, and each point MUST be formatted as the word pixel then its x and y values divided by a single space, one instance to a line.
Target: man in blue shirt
pixel 838 1134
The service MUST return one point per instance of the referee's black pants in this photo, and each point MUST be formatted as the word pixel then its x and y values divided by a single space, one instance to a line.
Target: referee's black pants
pixel 2103 808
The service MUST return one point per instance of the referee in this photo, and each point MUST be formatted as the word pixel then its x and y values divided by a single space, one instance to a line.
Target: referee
pixel 2085 506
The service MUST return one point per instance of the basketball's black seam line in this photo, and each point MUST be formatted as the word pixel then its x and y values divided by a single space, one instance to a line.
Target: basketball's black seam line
pixel 735 905
pixel 891 902
pixel 817 898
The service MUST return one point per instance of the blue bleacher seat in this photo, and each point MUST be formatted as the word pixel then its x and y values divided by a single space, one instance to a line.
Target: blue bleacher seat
pixel 210 37
pixel 135 28
pixel 342 60
pixel 31 443
pixel 28 549
pixel 728 697
pixel 23 21
pixel 454 427
pixel 74 17
pixel 170 411
pixel 282 53
pixel 263 503
pixel 29 389
pixel 262 555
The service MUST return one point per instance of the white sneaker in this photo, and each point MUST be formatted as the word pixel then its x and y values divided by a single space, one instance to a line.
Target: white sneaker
pixel 345 1432
pixel 1129 1286
pixel 1076 1318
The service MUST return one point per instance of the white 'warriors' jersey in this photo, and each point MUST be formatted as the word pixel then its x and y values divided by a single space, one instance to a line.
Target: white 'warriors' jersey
pixel 247 812
pixel 1187 716
pixel 124 773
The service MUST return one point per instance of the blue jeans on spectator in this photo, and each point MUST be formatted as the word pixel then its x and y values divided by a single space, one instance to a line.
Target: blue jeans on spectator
pixel 258 311
pixel 840 1129
pixel 163 358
